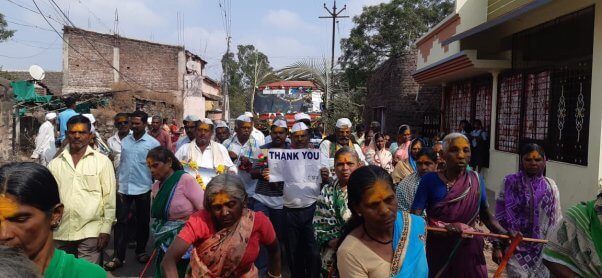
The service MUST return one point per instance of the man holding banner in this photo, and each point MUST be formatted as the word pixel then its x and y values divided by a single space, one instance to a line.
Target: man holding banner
pixel 299 169
pixel 268 195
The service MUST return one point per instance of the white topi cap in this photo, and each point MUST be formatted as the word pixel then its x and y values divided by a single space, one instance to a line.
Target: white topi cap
pixel 244 118
pixel 220 123
pixel 90 117
pixel 343 123
pixel 249 114
pixel 192 118
pixel 299 127
pixel 302 116
pixel 280 123
pixel 50 116
pixel 206 121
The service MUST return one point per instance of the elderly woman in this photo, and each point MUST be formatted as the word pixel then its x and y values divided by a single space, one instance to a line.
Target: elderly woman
pixel 378 240
pixel 225 235
pixel 575 245
pixel 406 167
pixel 176 195
pixel 426 162
pixel 331 207
pixel 528 203
pixel 30 209
pixel 378 154
pixel 455 198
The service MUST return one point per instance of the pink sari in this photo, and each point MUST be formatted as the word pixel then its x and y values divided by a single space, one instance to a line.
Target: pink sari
pixel 221 254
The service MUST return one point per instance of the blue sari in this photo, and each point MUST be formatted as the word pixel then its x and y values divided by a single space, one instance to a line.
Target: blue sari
pixel 409 238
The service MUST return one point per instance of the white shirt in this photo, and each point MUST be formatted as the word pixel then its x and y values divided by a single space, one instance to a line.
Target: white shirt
pixel 205 158
pixel 259 137
pixel 181 142
pixel 45 142
pixel 327 161
pixel 268 139
pixel 114 143
pixel 249 150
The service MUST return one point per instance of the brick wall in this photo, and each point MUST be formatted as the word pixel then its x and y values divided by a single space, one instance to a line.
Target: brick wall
pixel 142 64
pixel 392 87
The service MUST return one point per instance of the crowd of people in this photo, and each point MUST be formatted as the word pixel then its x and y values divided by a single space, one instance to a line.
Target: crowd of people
pixel 206 198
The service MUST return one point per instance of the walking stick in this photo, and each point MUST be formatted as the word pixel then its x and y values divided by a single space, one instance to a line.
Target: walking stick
pixel 515 241
pixel 150 260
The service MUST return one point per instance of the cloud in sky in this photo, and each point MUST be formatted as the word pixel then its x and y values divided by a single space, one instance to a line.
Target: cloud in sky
pixel 286 31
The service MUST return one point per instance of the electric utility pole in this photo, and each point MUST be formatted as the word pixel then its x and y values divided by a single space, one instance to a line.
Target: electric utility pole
pixel 334 15
pixel 226 111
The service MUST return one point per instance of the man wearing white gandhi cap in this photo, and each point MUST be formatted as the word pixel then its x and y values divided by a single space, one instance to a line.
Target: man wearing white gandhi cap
pixel 243 150
pixel 45 147
pixel 341 138
pixel 258 135
pixel 207 153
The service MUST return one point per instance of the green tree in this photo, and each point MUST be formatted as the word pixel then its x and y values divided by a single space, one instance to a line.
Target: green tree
pixel 387 30
pixel 249 70
pixel 5 33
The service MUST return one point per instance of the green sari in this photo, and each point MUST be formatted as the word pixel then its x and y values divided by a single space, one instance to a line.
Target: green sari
pixel 577 241
pixel 165 230
pixel 63 265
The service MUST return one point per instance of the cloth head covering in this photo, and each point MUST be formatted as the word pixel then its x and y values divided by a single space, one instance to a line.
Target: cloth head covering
pixel 92 121
pixel 206 121
pixel 299 127
pixel 244 118
pixel 302 116
pixel 249 114
pixel 50 116
pixel 280 123
pixel 220 123
pixel 192 118
pixel 343 123
pixel 411 159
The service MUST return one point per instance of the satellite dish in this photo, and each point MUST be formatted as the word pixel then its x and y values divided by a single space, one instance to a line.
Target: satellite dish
pixel 37 72
pixel 191 65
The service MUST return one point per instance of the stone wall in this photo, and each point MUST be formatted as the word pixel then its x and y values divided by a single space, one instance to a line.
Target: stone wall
pixel 392 88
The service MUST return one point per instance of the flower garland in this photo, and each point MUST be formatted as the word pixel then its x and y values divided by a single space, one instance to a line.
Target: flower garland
pixel 193 165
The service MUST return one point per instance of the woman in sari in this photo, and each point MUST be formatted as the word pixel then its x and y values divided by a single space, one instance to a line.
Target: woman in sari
pixel 399 149
pixel 225 236
pixel 331 207
pixel 406 167
pixel 30 209
pixel 426 162
pixel 176 195
pixel 378 154
pixel 367 144
pixel 575 245
pixel 378 240
pixel 528 203
pixel 455 199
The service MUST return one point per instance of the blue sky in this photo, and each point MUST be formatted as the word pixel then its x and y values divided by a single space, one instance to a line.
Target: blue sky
pixel 285 30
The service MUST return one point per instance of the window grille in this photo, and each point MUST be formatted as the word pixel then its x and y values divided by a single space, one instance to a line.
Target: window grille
pixel 508 112
pixel 458 106
pixel 537 94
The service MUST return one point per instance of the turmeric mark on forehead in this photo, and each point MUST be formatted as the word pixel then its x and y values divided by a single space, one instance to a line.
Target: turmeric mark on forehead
pixel 221 199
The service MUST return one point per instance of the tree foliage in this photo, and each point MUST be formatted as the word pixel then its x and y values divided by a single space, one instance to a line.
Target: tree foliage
pixel 387 30
pixel 5 33
pixel 246 70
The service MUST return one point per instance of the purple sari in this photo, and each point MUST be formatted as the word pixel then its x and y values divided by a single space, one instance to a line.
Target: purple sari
pixel 529 205
pixel 453 256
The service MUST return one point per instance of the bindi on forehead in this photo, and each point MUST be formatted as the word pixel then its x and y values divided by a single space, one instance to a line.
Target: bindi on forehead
pixel 8 207
pixel 534 155
pixel 221 199
pixel 460 143
pixel 79 127
pixel 379 192
pixel 204 127
pixel 345 158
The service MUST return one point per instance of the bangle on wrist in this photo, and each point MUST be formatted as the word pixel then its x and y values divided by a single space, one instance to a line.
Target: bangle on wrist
pixel 274 276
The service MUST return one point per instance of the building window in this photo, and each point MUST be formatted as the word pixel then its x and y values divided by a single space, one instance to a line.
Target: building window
pixel 508 112
pixel 468 100
pixel 545 98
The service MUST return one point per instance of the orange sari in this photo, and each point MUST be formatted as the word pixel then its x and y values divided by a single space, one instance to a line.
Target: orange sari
pixel 220 255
